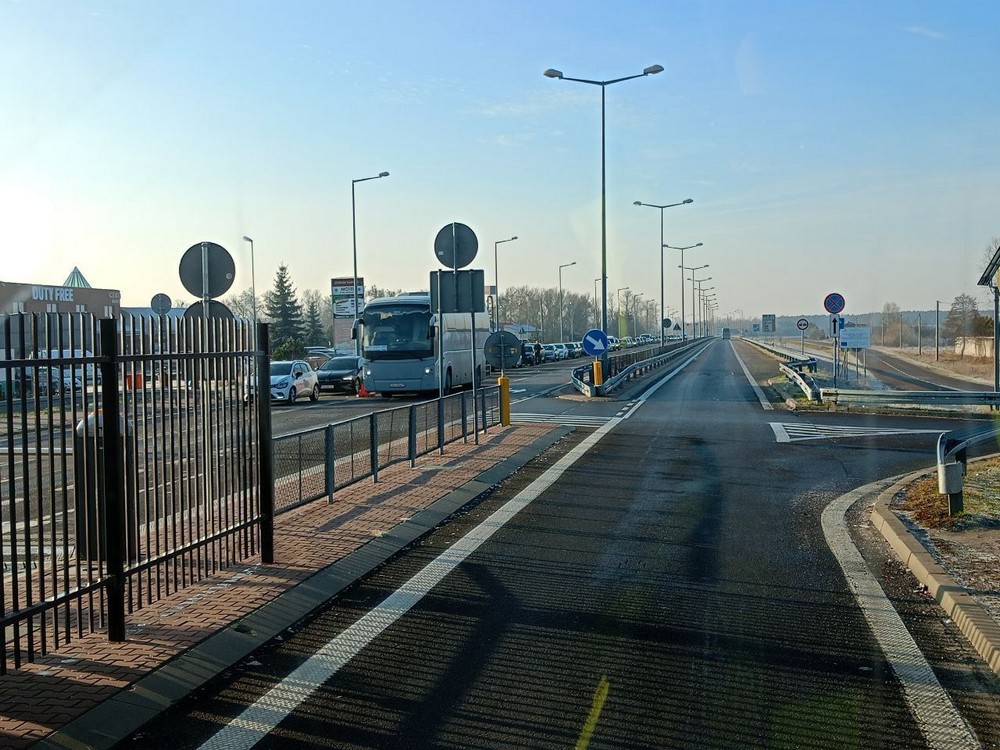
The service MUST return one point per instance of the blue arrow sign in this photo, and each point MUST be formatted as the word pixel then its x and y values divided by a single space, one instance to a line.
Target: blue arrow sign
pixel 595 342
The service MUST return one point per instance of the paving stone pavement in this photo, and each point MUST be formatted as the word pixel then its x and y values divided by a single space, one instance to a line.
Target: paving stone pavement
pixel 40 698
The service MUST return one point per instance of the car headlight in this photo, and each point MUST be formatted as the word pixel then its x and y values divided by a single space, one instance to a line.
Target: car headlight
pixel 282 383
pixel 348 377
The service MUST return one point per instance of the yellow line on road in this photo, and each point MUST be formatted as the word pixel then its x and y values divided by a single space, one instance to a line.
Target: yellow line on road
pixel 600 695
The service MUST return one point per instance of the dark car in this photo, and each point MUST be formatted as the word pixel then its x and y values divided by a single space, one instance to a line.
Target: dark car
pixel 527 354
pixel 340 375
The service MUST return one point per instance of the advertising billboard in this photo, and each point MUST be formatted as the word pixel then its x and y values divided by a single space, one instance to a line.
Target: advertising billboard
pixel 342 296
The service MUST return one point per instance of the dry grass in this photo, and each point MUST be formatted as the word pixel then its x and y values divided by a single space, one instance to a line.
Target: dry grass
pixel 976 367
pixel 981 500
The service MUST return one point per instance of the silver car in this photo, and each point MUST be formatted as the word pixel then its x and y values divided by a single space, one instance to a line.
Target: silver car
pixel 292 379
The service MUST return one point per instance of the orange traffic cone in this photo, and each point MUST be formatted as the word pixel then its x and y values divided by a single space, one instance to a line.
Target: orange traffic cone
pixel 364 392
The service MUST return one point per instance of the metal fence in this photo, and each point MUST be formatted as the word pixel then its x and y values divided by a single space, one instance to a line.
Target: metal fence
pixel 313 464
pixel 133 464
pixel 131 467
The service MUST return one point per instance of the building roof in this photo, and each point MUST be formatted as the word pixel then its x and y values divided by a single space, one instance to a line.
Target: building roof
pixel 76 279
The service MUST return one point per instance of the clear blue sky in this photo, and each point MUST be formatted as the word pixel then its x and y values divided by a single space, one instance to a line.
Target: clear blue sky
pixel 848 146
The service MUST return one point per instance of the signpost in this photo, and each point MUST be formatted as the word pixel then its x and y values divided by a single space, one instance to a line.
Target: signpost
pixel 595 342
pixel 803 325
pixel 834 303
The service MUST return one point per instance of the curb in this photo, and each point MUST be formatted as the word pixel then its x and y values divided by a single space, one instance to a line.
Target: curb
pixel 972 620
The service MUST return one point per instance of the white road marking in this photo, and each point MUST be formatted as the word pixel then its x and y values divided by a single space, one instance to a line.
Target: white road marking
pixel 582 420
pixel 792 432
pixel 753 384
pixel 247 729
pixel 942 725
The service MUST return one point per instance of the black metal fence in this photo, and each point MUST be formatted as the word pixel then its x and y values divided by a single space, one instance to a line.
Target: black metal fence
pixel 133 464
pixel 131 467
pixel 314 463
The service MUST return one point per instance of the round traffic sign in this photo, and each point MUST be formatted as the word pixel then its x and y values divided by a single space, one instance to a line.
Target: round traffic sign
pixel 456 245
pixel 802 324
pixel 834 303
pixel 667 323
pixel 595 342
pixel 502 349
pixel 160 304
pixel 207 270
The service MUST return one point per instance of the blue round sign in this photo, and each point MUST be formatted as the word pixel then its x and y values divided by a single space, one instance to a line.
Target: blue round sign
pixel 834 303
pixel 595 342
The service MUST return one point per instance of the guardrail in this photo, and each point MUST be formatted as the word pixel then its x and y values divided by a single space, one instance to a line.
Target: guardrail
pixel 929 398
pixel 792 368
pixel 952 465
pixel 625 366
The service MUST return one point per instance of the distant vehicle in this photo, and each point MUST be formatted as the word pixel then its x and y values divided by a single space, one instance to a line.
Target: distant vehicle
pixel 578 348
pixel 562 351
pixel 726 333
pixel 404 347
pixel 527 354
pixel 614 344
pixel 340 375
pixel 549 353
pixel 292 379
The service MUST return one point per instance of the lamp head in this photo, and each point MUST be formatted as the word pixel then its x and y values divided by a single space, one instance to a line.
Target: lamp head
pixel 383 174
pixel 552 73
pixel 652 70
pixel 688 200
pixel 636 203
pixel 247 239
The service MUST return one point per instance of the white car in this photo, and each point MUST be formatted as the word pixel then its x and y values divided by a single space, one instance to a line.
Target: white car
pixel 292 379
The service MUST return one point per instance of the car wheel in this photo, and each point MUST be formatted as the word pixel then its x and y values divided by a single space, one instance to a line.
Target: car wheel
pixel 291 396
pixel 357 386
pixel 314 396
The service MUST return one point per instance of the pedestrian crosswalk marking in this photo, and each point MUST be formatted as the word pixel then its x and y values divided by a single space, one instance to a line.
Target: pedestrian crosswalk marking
pixel 791 432
pixel 568 419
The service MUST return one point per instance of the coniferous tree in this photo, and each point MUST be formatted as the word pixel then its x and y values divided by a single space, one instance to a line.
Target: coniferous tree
pixel 284 311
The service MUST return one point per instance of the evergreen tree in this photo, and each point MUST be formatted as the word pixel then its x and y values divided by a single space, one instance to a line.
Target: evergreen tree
pixel 313 324
pixel 283 310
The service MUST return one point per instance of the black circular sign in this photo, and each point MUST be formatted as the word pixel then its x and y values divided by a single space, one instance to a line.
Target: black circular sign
pixel 216 310
pixel 456 245
pixel 160 304
pixel 211 261
pixel 667 322
pixel 502 349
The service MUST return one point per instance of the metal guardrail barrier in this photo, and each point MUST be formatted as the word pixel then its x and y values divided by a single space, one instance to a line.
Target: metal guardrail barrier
pixel 804 382
pixel 627 365
pixel 792 368
pixel 952 465
pixel 930 398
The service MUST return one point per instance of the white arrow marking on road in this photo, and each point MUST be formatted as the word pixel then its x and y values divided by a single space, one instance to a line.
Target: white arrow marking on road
pixel 518 390
pixel 596 344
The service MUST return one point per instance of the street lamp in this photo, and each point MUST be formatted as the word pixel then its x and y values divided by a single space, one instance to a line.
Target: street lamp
pixel 705 299
pixel 253 286
pixel 564 265
pixel 669 205
pixel 619 295
pixel 496 278
pixel 694 310
pixel 354 234
pixel 550 73
pixel 682 249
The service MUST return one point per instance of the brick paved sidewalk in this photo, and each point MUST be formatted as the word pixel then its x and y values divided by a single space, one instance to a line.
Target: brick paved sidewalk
pixel 40 698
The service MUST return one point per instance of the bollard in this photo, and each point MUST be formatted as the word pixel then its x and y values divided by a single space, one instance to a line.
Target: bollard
pixel 504 383
pixel 598 374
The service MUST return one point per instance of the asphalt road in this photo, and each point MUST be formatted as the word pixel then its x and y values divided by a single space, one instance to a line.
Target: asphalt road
pixel 670 588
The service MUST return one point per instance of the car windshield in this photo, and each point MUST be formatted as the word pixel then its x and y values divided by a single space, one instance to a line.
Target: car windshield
pixel 280 369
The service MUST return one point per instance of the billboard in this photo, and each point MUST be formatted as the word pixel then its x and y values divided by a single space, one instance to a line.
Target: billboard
pixel 768 323
pixel 342 297
pixel 855 337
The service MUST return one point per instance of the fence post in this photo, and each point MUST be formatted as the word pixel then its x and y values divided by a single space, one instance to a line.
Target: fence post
pixel 440 410
pixel 465 419
pixel 411 448
pixel 330 476
pixel 265 445
pixel 373 443
pixel 110 438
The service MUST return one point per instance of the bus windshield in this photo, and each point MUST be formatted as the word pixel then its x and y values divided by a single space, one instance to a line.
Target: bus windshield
pixel 396 332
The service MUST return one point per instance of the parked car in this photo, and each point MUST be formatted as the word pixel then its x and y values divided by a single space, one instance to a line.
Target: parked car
pixel 549 353
pixel 340 375
pixel 561 351
pixel 614 344
pixel 527 354
pixel 578 348
pixel 289 380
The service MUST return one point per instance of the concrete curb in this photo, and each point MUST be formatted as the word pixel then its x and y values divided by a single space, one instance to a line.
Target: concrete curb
pixel 972 620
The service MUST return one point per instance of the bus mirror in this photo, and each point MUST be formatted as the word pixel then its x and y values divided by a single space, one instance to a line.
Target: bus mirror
pixel 354 329
pixel 431 331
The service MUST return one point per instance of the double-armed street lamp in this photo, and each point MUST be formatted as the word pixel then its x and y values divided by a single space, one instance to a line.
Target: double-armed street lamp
pixel 682 249
pixel 551 73
pixel 496 279
pixel 694 300
pixel 668 205
pixel 561 312
pixel 354 234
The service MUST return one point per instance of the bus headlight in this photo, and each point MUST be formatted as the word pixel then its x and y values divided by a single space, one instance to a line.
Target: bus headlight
pixel 368 372
pixel 428 370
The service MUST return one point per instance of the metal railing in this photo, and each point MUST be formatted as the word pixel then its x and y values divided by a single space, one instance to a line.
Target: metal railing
pixel 925 398
pixel 952 465
pixel 627 365
pixel 314 463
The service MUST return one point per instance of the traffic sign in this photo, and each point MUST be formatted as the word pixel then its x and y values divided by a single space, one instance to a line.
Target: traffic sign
pixel 456 245
pixel 802 324
pixel 207 270
pixel 667 322
pixel 595 342
pixel 834 303
pixel 502 348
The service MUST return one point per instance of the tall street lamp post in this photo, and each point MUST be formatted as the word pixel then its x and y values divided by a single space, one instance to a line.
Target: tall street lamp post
pixel 354 235
pixel 253 286
pixel 669 205
pixel 692 269
pixel 694 309
pixel 551 73
pixel 682 249
pixel 561 313
pixel 496 279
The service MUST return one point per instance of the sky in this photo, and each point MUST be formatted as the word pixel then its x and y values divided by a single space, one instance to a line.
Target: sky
pixel 845 147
